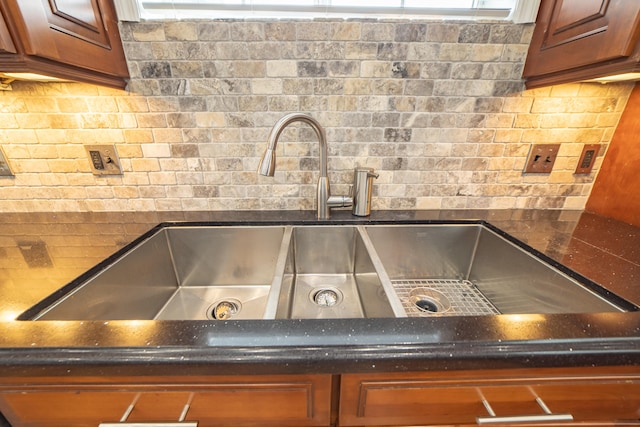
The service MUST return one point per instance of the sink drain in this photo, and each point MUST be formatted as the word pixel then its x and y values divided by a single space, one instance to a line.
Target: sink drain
pixel 429 301
pixel 327 297
pixel 223 310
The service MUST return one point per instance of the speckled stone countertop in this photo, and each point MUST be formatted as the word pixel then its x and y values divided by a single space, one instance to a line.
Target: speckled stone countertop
pixel 41 252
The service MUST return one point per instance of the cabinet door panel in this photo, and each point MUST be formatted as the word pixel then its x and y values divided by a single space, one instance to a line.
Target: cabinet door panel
pixel 424 401
pixel 59 409
pixel 83 33
pixel 6 44
pixel 78 19
pixel 576 33
pixel 274 404
pixel 295 401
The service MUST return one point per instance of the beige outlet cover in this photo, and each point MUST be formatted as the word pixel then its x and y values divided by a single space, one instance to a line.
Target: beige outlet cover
pixel 103 159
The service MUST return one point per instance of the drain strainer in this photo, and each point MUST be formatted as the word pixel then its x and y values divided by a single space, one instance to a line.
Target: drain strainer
pixel 223 310
pixel 429 301
pixel 326 297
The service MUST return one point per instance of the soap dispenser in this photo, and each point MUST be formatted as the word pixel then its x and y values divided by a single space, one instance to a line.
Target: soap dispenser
pixel 362 187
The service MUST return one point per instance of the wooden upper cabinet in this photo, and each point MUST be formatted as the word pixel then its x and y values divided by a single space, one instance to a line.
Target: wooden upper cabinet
pixel 6 43
pixel 581 39
pixel 72 39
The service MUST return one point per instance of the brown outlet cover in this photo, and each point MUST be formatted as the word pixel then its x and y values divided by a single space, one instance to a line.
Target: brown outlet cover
pixel 541 158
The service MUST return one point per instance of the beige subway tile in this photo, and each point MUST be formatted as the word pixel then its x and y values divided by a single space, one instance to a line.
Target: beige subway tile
pixel 137 136
pixel 156 150
pixel 132 104
pixel 148 32
pixel 481 135
pixel 40 104
pixel 517 104
pixel 210 119
pixel 168 205
pixel 455 52
pixel 126 192
pixel 281 68
pixel 313 30
pixel 345 31
pixel 375 69
pixel 145 165
pixel 64 165
pixel 181 30
pixel 503 202
pixel 608 134
pixel 361 50
pixel 153 191
pixel 179 191
pixel 151 120
pixel 72 104
pixel 192 204
pixel 486 52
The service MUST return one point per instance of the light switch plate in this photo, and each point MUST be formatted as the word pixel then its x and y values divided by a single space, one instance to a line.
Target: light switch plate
pixel 541 158
pixel 103 159
pixel 5 170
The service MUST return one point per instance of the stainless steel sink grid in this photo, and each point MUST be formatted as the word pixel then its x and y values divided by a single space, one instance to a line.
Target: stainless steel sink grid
pixel 208 272
pixel 511 279
pixel 449 297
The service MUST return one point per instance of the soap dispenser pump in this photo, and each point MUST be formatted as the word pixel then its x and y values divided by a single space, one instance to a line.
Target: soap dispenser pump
pixel 362 187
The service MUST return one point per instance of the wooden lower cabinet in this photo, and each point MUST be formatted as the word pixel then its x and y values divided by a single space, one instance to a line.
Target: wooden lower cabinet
pixel 592 397
pixel 214 401
pixel 602 396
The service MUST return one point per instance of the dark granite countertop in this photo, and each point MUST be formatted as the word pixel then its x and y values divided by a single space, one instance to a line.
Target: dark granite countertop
pixel 40 252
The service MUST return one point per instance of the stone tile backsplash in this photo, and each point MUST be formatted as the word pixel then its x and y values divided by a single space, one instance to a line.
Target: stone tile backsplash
pixel 437 108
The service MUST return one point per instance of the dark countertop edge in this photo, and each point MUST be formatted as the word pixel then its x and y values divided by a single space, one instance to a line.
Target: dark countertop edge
pixel 312 346
pixel 318 360
pixel 469 343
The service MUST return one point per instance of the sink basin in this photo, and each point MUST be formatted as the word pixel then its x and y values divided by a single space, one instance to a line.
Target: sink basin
pixel 329 273
pixel 284 271
pixel 179 273
pixel 468 269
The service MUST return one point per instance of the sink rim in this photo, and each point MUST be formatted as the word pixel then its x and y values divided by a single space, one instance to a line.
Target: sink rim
pixel 32 312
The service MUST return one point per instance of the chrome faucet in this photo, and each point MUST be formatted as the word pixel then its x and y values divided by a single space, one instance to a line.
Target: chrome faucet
pixel 268 162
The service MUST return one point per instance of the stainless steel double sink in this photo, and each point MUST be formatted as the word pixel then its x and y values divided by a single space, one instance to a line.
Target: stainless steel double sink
pixel 206 272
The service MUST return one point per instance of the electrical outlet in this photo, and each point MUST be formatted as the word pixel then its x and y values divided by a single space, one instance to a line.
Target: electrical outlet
pixel 541 158
pixel 5 170
pixel 587 158
pixel 103 159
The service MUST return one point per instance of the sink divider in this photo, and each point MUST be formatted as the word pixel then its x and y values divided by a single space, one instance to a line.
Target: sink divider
pixel 278 276
pixel 392 297
pixel 281 263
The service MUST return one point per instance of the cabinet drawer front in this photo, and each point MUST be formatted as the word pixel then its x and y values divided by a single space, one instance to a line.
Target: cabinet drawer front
pixel 434 402
pixel 304 401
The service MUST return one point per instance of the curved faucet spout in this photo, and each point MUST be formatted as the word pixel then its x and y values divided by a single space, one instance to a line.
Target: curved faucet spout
pixel 267 165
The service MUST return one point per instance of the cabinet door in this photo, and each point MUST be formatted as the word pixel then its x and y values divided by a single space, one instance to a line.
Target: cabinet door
pixel 418 399
pixel 70 408
pixel 249 401
pixel 83 33
pixel 576 33
pixel 6 44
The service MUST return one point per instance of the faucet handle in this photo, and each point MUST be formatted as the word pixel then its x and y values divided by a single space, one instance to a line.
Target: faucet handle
pixel 340 201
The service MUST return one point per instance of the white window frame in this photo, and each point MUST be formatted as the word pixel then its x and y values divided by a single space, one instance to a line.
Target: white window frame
pixel 525 11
